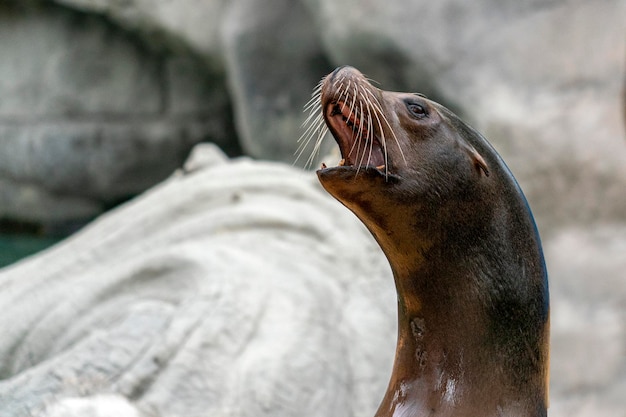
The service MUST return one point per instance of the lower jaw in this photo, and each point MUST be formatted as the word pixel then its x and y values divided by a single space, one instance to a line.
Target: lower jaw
pixel 342 163
pixel 351 172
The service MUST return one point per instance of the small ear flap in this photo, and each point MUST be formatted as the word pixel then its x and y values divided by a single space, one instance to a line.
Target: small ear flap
pixel 477 159
pixel 480 163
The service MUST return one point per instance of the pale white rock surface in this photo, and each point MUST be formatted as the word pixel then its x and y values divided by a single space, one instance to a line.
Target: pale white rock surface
pixel 232 289
pixel 96 406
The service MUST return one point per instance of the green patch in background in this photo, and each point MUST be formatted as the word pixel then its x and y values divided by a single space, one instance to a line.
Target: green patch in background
pixel 14 247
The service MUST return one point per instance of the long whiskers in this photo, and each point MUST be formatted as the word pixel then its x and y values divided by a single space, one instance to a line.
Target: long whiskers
pixel 379 111
pixel 365 110
pixel 314 127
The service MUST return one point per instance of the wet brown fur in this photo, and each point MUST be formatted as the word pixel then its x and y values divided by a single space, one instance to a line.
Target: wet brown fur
pixel 466 257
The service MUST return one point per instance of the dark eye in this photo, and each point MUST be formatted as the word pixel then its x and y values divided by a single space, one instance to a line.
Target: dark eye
pixel 417 110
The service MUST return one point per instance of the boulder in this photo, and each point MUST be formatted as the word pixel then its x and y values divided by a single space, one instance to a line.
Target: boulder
pixel 588 320
pixel 181 25
pixel 233 288
pixel 274 59
pixel 89 114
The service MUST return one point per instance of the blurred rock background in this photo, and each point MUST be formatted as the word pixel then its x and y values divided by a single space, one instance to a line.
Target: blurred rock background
pixel 92 115
pixel 102 99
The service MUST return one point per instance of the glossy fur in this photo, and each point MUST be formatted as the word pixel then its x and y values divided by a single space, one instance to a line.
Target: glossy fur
pixel 473 310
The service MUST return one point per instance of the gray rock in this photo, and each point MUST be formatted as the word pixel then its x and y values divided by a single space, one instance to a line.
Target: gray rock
pixel 588 321
pixel 553 98
pixel 31 203
pixel 273 60
pixel 269 50
pixel 183 24
pixel 237 289
pixel 539 98
pixel 56 64
pixel 114 161
pixel 88 115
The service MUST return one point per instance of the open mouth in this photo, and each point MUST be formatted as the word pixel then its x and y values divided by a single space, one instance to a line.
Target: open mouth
pixel 355 135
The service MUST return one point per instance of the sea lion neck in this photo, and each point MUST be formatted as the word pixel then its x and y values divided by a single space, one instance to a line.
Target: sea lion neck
pixel 463 348
pixel 462 244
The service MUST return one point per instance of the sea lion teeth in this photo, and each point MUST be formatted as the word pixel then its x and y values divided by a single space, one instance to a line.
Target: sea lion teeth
pixel 380 167
pixel 342 162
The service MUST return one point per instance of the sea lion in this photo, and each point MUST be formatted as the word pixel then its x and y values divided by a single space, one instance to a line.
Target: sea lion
pixel 473 304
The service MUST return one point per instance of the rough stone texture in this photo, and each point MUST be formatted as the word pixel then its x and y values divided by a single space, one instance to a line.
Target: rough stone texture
pixel 30 202
pixel 184 24
pixel 274 59
pixel 270 51
pixel 234 289
pixel 588 367
pixel 542 80
pixel 89 114
pixel 57 63
pixel 90 149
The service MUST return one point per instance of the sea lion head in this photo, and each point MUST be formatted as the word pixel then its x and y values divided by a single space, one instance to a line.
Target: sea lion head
pixel 404 151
